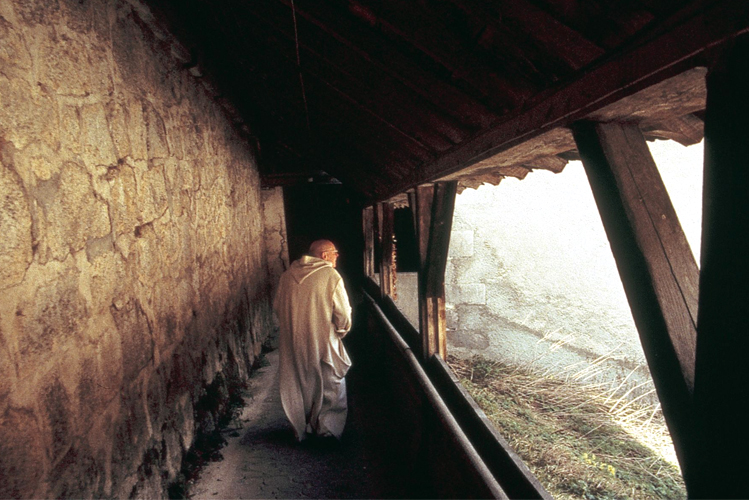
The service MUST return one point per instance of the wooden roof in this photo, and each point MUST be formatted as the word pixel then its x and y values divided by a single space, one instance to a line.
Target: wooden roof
pixel 384 95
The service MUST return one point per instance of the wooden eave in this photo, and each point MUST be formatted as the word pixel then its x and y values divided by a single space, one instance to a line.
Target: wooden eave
pixel 385 96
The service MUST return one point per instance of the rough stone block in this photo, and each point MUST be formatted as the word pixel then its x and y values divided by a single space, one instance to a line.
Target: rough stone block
pixel 461 244
pixel 472 293
pixel 21 454
pixel 15 227
pixel 134 269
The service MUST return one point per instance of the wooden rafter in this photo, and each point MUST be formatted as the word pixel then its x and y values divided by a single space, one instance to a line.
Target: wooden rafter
pixel 656 265
pixel 619 76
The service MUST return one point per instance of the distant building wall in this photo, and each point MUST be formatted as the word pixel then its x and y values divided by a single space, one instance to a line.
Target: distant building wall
pixel 134 282
pixel 531 281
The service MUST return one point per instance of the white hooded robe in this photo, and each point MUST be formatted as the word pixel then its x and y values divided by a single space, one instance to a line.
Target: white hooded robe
pixel 314 315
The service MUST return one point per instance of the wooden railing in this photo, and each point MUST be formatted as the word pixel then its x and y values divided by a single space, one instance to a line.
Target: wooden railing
pixel 452 444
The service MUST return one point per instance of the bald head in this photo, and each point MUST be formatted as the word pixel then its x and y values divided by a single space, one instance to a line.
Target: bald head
pixel 324 249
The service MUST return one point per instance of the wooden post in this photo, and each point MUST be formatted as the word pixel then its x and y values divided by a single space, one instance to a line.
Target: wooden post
pixel 722 376
pixel 387 263
pixel 433 211
pixel 369 241
pixel 656 265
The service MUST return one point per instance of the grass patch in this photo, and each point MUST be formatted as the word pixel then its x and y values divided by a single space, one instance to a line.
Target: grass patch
pixel 576 440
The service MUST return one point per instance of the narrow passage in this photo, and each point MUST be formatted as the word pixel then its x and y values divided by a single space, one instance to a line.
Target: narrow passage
pixel 262 459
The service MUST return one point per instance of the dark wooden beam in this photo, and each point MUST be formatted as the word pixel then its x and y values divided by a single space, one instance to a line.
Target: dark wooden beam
pixel 656 265
pixel 387 257
pixel 389 58
pixel 429 322
pixel 433 207
pixel 369 241
pixel 624 73
pixel 443 206
pixel 522 21
pixel 329 59
pixel 411 23
pixel 722 378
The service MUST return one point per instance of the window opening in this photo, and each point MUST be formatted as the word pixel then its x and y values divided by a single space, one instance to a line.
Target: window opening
pixel 540 332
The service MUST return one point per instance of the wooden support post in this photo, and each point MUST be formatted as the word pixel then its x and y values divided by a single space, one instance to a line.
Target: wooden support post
pixel 722 376
pixel 369 241
pixel 656 265
pixel 387 262
pixel 433 211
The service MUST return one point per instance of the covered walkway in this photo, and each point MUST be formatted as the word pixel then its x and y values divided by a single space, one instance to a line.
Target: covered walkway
pixel 262 460
pixel 162 161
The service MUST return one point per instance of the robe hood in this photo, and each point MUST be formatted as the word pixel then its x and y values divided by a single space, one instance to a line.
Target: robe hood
pixel 303 268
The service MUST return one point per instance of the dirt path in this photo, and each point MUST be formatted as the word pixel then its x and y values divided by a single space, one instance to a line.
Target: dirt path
pixel 262 459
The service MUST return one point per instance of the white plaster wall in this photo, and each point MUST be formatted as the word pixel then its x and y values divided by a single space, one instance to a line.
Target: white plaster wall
pixel 531 279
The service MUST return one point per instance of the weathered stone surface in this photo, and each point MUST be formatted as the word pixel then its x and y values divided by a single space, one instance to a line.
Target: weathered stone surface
pixel 468 293
pixel 15 227
pixel 71 212
pixel 98 147
pixel 20 454
pixel 469 339
pixel 461 243
pixel 133 267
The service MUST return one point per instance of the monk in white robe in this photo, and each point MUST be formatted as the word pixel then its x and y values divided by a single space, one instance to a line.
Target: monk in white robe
pixel 314 315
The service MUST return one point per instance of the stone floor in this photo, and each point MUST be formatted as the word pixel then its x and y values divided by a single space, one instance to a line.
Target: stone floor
pixel 262 460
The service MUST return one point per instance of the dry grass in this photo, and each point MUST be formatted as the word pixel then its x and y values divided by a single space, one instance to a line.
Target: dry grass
pixel 579 442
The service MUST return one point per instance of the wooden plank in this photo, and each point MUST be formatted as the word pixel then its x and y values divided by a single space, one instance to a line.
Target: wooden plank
pixel 410 23
pixel 332 60
pixel 659 235
pixel 722 378
pixel 623 74
pixel 368 230
pixel 388 57
pixel 433 211
pixel 653 261
pixel 387 262
pixel 443 206
pixel 456 470
pixel 422 208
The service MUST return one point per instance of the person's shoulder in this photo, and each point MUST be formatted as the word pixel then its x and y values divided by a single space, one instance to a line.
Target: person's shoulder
pixel 329 273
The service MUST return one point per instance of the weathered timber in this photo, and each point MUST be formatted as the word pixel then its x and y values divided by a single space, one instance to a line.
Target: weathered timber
pixel 683 46
pixel 407 22
pixel 438 445
pixel 561 44
pixel 387 264
pixel 441 224
pixel 663 111
pixel 369 241
pixel 686 130
pixel 679 95
pixel 388 57
pixel 329 58
pixel 654 261
pixel 433 211
pixel 421 205
pixel 722 377
pixel 659 236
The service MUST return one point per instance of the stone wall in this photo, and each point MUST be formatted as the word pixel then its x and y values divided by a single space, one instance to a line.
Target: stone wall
pixel 276 244
pixel 531 281
pixel 133 276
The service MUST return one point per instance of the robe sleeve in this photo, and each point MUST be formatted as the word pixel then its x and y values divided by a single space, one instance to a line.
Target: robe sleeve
pixel 341 310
